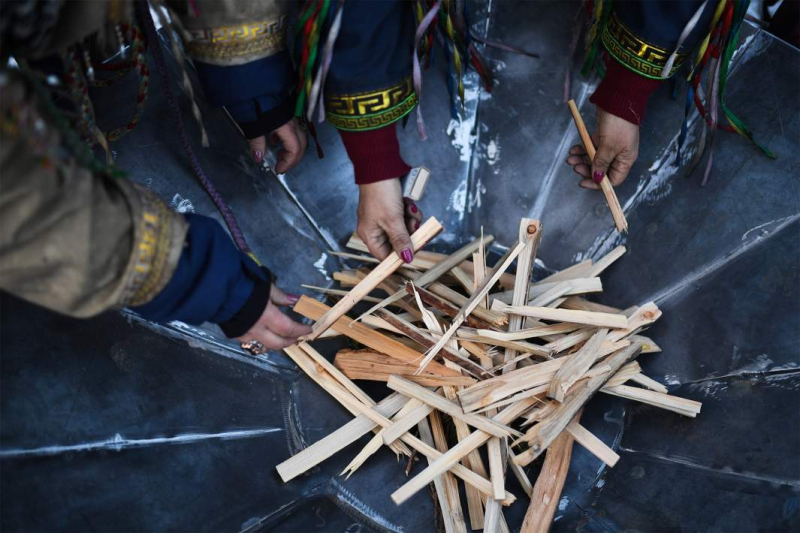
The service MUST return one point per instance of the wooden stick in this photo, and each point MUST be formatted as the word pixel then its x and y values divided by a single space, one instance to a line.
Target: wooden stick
pixel 605 185
pixel 313 309
pixel 374 366
pixel 338 440
pixel 530 333
pixel 578 270
pixel 446 307
pixel 473 302
pixel 419 238
pixel 409 419
pixel 588 440
pixel 496 467
pixel 492 317
pixel 450 485
pixel 574 286
pixel 681 406
pixel 412 390
pixel 576 366
pixel 427 341
pixel 651 384
pixel 606 261
pixel 434 273
pixel 450 459
pixel 530 233
pixel 547 491
pixel 337 292
pixel 415 183
pixel 542 435
pixel 442 496
pixel 600 320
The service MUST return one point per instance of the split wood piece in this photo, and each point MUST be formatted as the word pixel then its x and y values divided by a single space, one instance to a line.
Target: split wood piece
pixel 378 440
pixel 426 436
pixel 606 261
pixel 529 333
pixel 341 438
pixel 568 341
pixel 530 233
pixel 412 390
pixel 434 273
pixel 493 518
pixel 580 304
pixel 429 229
pixel 578 270
pixel 450 459
pixel 547 491
pixel 473 302
pixel 351 398
pixel 374 366
pixel 519 472
pixel 479 270
pixel 408 420
pixel 326 365
pixel 573 287
pixel 496 474
pixel 356 257
pixel 556 293
pixel 414 333
pixel 463 279
pixel 484 355
pixel 649 383
pixel 313 309
pixel 682 406
pixel 450 485
pixel 576 366
pixel 599 320
pixel 605 185
pixel 527 347
pixel 445 307
pixel 542 435
pixel 641 318
pixel 474 462
pixel 492 317
pixel 338 292
pixel 648 346
pixel 416 182
pixel 589 441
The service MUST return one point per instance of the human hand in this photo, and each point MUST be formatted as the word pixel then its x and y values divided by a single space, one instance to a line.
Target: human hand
pixel 293 138
pixel 274 330
pixel 386 219
pixel 617 144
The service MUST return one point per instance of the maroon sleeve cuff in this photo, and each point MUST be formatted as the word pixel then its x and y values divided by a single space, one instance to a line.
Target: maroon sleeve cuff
pixel 623 92
pixel 375 154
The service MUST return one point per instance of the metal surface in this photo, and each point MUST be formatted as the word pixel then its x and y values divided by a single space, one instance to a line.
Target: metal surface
pixel 112 424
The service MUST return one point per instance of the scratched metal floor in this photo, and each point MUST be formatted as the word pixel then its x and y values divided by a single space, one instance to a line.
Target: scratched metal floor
pixel 112 424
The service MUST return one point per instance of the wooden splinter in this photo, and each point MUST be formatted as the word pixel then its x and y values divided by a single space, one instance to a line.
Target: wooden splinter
pixel 605 185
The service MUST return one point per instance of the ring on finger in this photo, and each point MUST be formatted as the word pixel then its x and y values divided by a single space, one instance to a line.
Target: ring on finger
pixel 254 347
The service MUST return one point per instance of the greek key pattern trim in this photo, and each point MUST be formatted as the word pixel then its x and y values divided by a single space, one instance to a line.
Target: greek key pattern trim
pixel 227 42
pixel 373 121
pixel 635 53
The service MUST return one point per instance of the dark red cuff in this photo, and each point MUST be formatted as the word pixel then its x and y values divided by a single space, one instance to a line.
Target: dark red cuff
pixel 375 154
pixel 623 92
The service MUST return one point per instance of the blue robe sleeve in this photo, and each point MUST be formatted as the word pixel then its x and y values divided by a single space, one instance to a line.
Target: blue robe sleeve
pixel 214 282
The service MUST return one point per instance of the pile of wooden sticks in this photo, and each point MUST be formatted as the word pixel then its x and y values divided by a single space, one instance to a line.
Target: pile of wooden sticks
pixel 509 363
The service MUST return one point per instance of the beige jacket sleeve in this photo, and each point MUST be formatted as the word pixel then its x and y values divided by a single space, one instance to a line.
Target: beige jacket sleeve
pixel 71 240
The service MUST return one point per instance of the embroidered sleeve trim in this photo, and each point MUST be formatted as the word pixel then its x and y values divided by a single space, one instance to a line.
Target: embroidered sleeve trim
pixel 151 252
pixel 371 110
pixel 264 37
pixel 635 53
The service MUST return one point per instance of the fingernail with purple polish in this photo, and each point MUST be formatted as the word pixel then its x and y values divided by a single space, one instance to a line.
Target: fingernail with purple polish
pixel 598 176
pixel 293 298
pixel 257 155
pixel 407 255
pixel 414 208
pixel 416 226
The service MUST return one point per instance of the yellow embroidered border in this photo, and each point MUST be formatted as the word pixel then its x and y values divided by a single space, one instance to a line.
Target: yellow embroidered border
pixel 375 120
pixel 228 42
pixel 152 249
pixel 372 109
pixel 635 53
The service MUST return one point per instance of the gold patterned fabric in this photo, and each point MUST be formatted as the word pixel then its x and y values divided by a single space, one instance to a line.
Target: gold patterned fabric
pixel 635 53
pixel 238 42
pixel 371 110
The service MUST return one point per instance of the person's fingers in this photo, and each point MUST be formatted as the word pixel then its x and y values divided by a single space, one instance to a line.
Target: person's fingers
pixel 278 297
pixel 375 239
pixel 620 168
pixel 258 147
pixel 290 154
pixel 578 160
pixel 271 340
pixel 398 237
pixel 583 170
pixel 282 325
pixel 589 184
pixel 577 149
pixel 412 210
pixel 602 161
